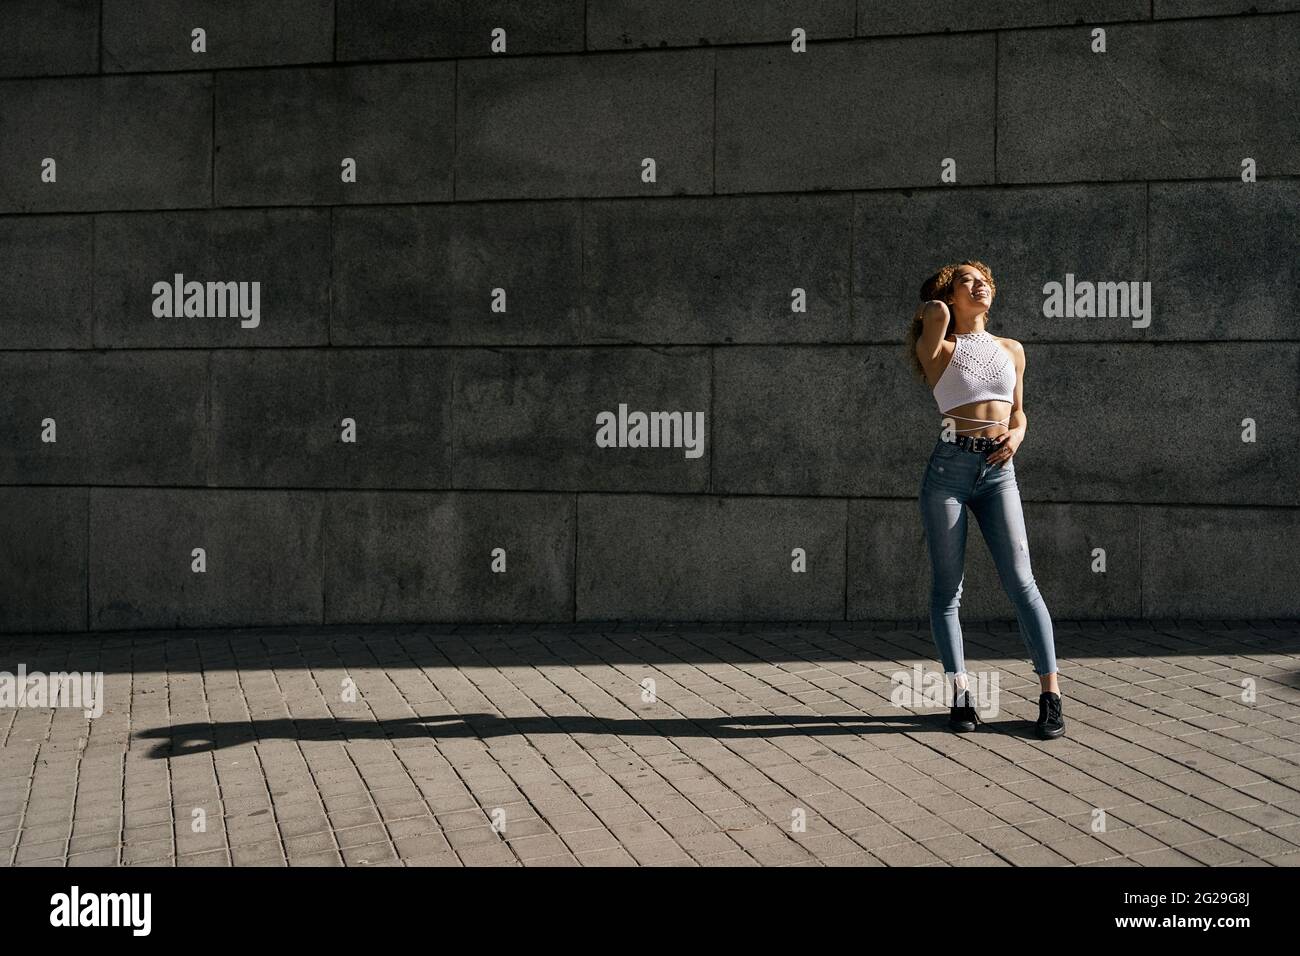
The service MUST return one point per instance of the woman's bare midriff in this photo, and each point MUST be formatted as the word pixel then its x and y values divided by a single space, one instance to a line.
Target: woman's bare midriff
pixel 987 411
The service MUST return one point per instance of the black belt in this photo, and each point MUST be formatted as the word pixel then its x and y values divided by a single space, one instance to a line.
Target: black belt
pixel 976 442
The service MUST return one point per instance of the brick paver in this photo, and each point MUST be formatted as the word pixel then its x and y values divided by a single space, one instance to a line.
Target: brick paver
pixel 763 744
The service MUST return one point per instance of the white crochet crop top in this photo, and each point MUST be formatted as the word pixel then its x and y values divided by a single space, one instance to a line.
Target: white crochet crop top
pixel 980 370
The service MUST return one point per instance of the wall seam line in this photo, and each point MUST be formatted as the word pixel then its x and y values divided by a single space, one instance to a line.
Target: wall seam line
pixel 212 145
pixel 743 45
pixel 997 81
pixel 573 584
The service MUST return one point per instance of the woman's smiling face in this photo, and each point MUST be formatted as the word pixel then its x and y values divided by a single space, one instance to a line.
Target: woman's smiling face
pixel 971 292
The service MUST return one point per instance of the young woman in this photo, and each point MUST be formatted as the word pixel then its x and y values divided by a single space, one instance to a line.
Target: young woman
pixel 978 384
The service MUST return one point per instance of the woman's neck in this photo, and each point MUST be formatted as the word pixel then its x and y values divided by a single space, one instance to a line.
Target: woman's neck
pixel 970 325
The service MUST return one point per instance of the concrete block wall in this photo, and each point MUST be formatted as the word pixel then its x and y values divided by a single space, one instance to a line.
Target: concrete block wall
pixel 522 170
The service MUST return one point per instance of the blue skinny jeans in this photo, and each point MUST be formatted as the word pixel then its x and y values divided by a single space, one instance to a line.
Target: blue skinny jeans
pixel 954 479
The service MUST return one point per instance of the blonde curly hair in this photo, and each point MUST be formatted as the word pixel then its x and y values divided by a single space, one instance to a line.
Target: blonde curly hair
pixel 939 286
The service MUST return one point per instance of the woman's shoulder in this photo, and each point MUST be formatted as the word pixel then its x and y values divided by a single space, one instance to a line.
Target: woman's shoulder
pixel 1011 345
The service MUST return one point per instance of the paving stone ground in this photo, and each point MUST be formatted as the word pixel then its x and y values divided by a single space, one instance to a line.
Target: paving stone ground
pixel 543 745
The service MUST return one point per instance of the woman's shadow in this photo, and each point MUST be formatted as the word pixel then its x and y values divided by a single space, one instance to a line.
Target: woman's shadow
pixel 182 739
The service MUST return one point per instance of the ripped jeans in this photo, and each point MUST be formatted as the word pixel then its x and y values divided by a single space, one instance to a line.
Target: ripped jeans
pixel 955 478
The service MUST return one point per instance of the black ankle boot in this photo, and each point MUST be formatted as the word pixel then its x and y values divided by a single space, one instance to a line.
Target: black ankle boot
pixel 963 718
pixel 1050 722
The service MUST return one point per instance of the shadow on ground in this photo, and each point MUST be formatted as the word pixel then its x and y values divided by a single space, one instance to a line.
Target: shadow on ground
pixel 183 739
